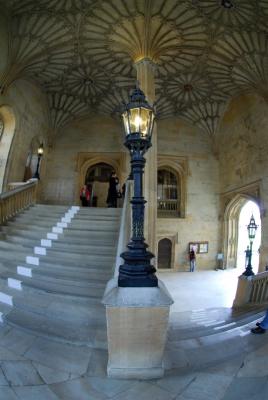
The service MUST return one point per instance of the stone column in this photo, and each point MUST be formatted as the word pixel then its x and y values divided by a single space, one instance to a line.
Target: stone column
pixel 145 76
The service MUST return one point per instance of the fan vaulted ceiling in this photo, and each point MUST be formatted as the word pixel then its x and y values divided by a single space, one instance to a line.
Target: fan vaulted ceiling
pixel 82 53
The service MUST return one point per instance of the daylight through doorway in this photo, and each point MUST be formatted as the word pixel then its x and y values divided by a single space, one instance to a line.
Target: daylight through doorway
pixel 249 208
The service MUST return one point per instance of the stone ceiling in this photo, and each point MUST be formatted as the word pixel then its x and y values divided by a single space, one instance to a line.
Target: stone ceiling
pixel 82 53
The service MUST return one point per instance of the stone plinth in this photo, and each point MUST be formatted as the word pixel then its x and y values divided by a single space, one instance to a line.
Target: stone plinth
pixel 137 322
pixel 243 291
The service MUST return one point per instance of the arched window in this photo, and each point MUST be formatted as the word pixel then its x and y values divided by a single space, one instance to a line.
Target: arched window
pixel 164 254
pixel 168 194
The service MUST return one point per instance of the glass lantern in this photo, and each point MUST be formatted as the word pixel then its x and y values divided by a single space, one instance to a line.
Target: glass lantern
pixel 252 228
pixel 138 116
pixel 40 150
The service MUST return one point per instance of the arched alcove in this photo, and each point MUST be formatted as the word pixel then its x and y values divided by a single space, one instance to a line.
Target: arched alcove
pixel 97 177
pixel 165 254
pixel 7 134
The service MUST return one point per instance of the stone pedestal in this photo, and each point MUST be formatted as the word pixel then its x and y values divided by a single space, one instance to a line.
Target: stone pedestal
pixel 243 291
pixel 137 322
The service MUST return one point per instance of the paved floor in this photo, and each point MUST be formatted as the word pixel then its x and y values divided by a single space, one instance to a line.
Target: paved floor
pixel 36 368
pixel 201 289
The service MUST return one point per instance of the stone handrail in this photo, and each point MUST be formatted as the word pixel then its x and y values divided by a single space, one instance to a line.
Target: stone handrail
pixel 125 227
pixel 16 200
pixel 259 288
pixel 252 290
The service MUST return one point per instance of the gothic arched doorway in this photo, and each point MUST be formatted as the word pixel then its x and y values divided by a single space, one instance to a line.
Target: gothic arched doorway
pixel 231 228
pixel 97 177
pixel 164 253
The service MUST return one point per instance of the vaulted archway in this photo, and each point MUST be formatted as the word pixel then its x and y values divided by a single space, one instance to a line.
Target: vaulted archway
pixel 231 228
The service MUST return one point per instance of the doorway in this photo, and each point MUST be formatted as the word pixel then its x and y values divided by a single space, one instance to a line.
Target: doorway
pixel 97 178
pixel 249 209
pixel 164 254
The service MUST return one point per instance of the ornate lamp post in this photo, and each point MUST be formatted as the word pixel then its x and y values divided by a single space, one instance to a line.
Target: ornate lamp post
pixel 252 228
pixel 40 152
pixel 138 118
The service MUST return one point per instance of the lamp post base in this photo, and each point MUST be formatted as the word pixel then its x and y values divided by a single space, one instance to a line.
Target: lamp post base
pixel 137 270
pixel 248 272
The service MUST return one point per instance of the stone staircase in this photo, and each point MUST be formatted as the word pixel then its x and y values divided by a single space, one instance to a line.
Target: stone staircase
pixel 55 263
pixel 204 337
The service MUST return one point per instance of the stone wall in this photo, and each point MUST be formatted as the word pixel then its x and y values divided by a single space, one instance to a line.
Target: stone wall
pixel 201 219
pixel 3 42
pixel 242 146
pixel 97 134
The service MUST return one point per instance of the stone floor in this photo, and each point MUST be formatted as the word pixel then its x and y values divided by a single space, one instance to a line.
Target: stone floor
pixel 36 368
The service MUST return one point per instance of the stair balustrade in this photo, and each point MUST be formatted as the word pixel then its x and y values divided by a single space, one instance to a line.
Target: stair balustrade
pixel 16 200
pixel 125 227
pixel 259 288
pixel 252 290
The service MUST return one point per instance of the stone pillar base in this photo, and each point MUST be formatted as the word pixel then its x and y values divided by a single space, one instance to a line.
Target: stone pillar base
pixel 137 322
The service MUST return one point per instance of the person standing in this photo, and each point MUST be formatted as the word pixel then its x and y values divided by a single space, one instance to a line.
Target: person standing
pixel 85 196
pixel 112 191
pixel 192 258
pixel 261 326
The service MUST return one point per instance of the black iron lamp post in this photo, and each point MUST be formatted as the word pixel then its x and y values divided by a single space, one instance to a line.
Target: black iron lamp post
pixel 252 228
pixel 40 152
pixel 138 118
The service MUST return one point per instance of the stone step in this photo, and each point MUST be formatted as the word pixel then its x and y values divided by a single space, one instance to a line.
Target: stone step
pixel 91 237
pixel 4 310
pixel 64 287
pixel 56 271
pixel 67 309
pixel 54 279
pixel 55 256
pixel 45 262
pixel 60 252
pixel 73 333
pixel 61 245
pixel 73 227
pixel 233 322
pixel 206 350
pixel 81 211
pixel 77 218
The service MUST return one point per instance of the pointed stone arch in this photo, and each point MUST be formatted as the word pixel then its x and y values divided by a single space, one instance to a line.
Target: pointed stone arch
pixel 231 227
pixel 87 160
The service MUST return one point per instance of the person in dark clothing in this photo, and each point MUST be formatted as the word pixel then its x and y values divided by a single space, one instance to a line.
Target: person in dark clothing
pixel 123 190
pixel 112 191
pixel 85 196
pixel 192 259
